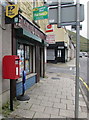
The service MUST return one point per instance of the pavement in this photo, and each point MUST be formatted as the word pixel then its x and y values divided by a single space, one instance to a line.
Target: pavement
pixel 52 97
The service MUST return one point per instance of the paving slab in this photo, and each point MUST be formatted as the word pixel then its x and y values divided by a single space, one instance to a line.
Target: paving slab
pixel 55 116
pixel 60 105
pixel 51 110
pixel 83 115
pixel 41 115
pixel 67 113
pixel 67 101
pixel 20 113
pixel 47 103
pixel 37 108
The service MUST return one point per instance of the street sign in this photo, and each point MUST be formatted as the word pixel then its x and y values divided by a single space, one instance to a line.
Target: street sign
pixel 55 2
pixel 67 15
pixel 40 13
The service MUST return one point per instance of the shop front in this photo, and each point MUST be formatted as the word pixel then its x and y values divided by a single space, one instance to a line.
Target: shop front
pixel 61 52
pixel 28 44
pixel 57 52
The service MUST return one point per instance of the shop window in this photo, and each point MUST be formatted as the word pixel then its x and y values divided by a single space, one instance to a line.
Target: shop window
pixel 20 52
pixel 27 59
pixel 24 53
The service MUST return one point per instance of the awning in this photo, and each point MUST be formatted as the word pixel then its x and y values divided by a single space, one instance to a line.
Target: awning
pixel 23 32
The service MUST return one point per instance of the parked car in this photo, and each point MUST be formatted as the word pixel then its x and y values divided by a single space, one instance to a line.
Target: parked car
pixel 80 54
pixel 86 55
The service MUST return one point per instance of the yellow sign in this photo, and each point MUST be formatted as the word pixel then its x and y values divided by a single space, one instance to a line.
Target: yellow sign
pixel 12 10
pixel 35 9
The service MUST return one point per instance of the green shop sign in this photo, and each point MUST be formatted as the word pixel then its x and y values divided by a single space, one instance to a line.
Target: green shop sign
pixel 40 13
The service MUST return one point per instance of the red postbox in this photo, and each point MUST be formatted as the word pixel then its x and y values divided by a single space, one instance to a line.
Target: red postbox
pixel 10 67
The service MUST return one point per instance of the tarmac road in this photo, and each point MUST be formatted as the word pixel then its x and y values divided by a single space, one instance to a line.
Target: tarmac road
pixel 84 61
pixel 61 68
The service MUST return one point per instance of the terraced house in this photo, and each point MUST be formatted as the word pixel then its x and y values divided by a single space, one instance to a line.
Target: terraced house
pixel 61 47
pixel 25 39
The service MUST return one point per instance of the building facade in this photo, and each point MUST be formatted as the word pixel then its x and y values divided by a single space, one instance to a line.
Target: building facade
pixel 27 40
pixel 62 50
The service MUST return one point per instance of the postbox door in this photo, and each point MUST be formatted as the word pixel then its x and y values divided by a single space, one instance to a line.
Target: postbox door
pixel 17 67
pixel 10 67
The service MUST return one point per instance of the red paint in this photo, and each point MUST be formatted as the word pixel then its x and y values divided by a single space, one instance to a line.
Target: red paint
pixel 10 67
pixel 49 30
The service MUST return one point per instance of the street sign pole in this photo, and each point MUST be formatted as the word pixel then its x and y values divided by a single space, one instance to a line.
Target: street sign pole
pixel 59 14
pixel 77 59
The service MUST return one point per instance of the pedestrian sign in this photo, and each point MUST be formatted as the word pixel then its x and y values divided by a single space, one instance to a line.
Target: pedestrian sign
pixel 11 10
pixel 40 13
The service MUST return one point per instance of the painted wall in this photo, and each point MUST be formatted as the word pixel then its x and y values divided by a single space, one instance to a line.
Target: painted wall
pixel 60 34
pixel 5 49
pixel 0 59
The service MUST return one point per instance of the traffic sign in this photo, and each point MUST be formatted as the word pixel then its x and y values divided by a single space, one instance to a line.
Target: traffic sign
pixel 67 15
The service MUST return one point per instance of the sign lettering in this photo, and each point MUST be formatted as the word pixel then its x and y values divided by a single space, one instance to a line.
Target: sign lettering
pixel 40 13
pixel 11 10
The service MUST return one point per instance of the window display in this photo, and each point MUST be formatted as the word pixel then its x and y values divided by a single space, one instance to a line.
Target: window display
pixel 20 53
pixel 23 52
pixel 27 58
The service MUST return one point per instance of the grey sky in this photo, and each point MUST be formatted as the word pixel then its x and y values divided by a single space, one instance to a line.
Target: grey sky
pixel 83 32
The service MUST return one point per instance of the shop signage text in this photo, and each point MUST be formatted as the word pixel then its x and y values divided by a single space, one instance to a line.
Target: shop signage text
pixel 12 12
pixel 24 23
pixel 50 39
pixel 49 28
pixel 60 47
pixel 40 13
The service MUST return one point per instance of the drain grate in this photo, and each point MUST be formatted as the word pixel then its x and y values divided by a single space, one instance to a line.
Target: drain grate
pixel 55 78
pixel 51 72
pixel 58 75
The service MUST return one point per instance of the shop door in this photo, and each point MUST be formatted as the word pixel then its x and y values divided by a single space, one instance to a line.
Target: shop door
pixel 61 55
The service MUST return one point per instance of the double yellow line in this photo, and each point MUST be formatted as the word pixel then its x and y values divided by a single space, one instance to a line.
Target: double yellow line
pixel 87 87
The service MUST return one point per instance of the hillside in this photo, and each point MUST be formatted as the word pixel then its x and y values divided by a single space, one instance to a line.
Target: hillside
pixel 83 41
